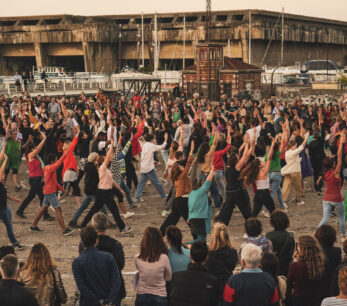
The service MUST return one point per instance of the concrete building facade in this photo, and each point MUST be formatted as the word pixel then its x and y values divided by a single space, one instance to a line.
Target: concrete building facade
pixel 106 43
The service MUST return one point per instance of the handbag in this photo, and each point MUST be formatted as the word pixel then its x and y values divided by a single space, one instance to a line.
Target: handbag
pixel 56 298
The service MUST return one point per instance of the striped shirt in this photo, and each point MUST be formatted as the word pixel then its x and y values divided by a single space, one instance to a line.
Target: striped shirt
pixel 333 301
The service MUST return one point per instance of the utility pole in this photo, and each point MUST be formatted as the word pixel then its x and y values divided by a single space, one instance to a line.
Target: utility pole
pixel 250 38
pixel 120 48
pixel 143 43
pixel 282 37
pixel 156 60
pixel 138 36
pixel 184 41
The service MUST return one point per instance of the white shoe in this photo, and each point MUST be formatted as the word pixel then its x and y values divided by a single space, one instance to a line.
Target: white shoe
pixel 300 203
pixel 165 213
pixel 138 200
pixel 285 205
pixel 128 215
pixel 265 214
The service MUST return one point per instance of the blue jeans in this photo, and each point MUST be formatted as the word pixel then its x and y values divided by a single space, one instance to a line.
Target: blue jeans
pixel 51 199
pixel 5 215
pixel 85 203
pixel 165 155
pixel 218 175
pixel 152 176
pixel 213 190
pixel 340 210
pixel 127 192
pixel 150 300
pixel 275 181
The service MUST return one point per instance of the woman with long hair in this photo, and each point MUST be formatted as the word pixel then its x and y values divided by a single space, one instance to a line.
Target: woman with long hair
pixel 258 173
pixel 35 165
pixel 332 197
pixel 341 299
pixel 222 256
pixel 154 270
pixel 235 193
pixel 270 264
pixel 306 276
pixel 183 186
pixel 179 256
pixel 40 276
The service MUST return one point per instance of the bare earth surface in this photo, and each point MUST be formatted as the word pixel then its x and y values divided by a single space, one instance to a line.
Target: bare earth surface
pixel 303 219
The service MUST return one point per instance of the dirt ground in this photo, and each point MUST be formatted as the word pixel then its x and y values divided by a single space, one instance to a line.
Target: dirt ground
pixel 304 220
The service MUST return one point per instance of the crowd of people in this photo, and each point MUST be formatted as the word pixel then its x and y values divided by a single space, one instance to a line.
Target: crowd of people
pixel 215 155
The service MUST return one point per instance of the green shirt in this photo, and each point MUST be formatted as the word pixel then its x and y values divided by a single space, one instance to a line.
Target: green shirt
pixel 176 116
pixel 275 164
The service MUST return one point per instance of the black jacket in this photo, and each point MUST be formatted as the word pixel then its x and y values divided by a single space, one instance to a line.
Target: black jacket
pixel 12 293
pixel 194 287
pixel 334 288
pixel 91 180
pixel 221 264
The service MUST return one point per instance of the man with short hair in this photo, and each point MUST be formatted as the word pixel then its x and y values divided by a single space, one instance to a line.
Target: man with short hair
pixel 194 287
pixel 109 245
pixel 252 286
pixel 12 292
pixel 96 272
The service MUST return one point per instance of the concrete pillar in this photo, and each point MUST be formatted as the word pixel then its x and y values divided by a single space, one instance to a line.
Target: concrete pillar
pixel 87 56
pixel 244 44
pixel 40 54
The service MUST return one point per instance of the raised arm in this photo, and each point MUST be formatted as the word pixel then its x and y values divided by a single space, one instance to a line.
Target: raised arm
pixel 37 150
pixel 268 162
pixel 339 155
pixel 63 108
pixel 109 154
pixel 181 141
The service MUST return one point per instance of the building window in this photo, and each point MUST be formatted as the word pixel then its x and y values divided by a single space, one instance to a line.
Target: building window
pixel 191 89
pixel 203 90
pixel 203 55
pixel 212 88
pixel 212 55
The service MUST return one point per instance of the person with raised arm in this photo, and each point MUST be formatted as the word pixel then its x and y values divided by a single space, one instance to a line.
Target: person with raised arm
pixel 5 210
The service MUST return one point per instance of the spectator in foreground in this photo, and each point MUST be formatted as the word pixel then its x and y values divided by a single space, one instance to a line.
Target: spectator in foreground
pixel 341 299
pixel 270 264
pixel 306 276
pixel 95 272
pixel 222 256
pixel 12 292
pixel 334 288
pixel 194 287
pixel 252 286
pixel 178 255
pixel 283 242
pixel 41 277
pixel 109 245
pixel 154 270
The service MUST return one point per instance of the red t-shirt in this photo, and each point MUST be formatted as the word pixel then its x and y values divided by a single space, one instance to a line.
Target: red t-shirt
pixel 333 191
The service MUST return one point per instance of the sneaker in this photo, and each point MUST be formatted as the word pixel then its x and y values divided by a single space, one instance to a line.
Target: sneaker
pixel 35 229
pixel 285 205
pixel 112 225
pixel 138 200
pixel 300 203
pixel 164 213
pixel 73 225
pixel 18 187
pixel 126 229
pixel 18 247
pixel 128 215
pixel 20 214
pixel 68 231
pixel 135 206
pixel 266 214
pixel 48 217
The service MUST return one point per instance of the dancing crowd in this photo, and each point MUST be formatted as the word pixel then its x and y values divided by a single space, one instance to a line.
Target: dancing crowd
pixel 214 157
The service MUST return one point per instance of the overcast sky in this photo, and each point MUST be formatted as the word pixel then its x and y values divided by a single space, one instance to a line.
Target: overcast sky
pixel 332 9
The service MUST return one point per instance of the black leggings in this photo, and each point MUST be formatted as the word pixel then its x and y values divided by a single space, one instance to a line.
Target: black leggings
pixel 131 175
pixel 179 209
pixel 240 198
pixel 104 197
pixel 262 197
pixel 36 186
